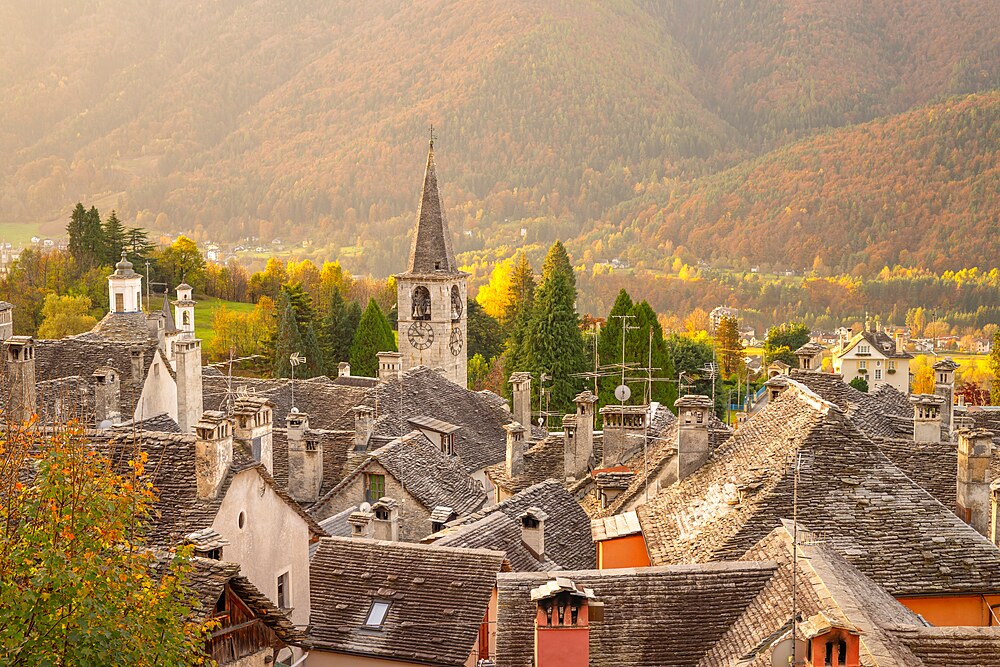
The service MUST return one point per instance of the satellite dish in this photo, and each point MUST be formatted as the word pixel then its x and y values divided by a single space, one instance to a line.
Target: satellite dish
pixel 622 392
pixel 105 424
pixel 365 507
pixel 781 654
pixel 541 420
pixel 294 410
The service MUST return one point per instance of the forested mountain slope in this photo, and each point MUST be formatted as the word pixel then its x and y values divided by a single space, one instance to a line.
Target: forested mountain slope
pixel 308 118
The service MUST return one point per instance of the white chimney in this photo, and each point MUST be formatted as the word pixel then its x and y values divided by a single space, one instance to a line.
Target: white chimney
pixel 386 512
pixel 521 394
pixel 533 531
pixel 213 452
pixel 344 369
pixel 515 449
pixel 364 425
pixel 390 366
pixel 362 522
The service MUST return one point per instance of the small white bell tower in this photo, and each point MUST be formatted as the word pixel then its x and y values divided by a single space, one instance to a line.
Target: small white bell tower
pixel 125 288
pixel 184 310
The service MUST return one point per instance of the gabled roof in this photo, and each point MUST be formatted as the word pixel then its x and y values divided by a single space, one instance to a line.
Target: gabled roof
pixel 879 341
pixel 543 460
pixel 431 250
pixel 328 405
pixel 567 528
pixel 437 599
pixel 653 617
pixel 882 521
pixel 881 413
pixel 425 472
pixel 337 448
pixel 497 532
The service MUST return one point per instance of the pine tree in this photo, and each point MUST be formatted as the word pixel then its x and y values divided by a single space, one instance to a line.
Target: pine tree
pixel 373 335
pixel 114 240
pixel 334 312
pixel 640 347
pixel 91 239
pixel 288 338
pixel 313 353
pixel 554 342
pixel 77 222
pixel 520 295
pixel 557 261
pixel 140 250
pixel 346 328
pixel 609 344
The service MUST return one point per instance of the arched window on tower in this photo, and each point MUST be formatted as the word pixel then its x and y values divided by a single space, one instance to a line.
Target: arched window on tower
pixel 186 318
pixel 421 303
pixel 456 304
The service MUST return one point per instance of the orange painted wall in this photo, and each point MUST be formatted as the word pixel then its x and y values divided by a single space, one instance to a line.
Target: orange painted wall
pixel 953 610
pixel 628 551
pixel 562 647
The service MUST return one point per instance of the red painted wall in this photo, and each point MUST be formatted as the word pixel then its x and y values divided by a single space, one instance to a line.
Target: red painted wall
pixel 562 646
pixel 628 551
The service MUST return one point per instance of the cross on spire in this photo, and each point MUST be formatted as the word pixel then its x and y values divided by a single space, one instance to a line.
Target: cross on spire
pixel 431 129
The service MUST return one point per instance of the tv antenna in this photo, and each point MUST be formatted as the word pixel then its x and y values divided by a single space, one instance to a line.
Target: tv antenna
pixel 295 359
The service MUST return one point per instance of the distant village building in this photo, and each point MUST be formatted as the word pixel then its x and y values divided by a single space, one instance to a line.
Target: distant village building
pixel 431 295
pixel 6 321
pixel 719 312
pixel 876 357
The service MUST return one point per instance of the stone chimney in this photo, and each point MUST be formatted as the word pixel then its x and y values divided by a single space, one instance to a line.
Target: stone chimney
pixel 187 359
pixel 305 459
pixel 975 452
pixel 364 425
pixel 19 357
pixel 390 366
pixel 562 623
pixel 900 344
pixel 107 396
pixel 362 523
pixel 521 394
pixel 213 452
pixel 624 431
pixel 343 369
pixel 926 417
pixel 254 428
pixel 515 449
pixel 386 512
pixel 578 437
pixel 138 370
pixel 944 386
pixel 533 531
pixel 693 412
pixel 831 641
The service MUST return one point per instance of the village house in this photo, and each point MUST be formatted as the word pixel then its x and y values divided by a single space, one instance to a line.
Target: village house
pixel 383 603
pixel 876 357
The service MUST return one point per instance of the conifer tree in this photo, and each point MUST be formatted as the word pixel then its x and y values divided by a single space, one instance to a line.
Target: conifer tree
pixel 114 238
pixel 77 222
pixel 554 342
pixel 609 344
pixel 288 338
pixel 346 328
pixel 729 345
pixel 373 335
pixel 92 239
pixel 644 349
pixel 137 243
pixel 335 311
pixel 557 261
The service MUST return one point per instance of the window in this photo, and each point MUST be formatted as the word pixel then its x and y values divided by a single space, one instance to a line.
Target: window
pixel 119 302
pixel 186 318
pixel 878 373
pixel 283 599
pixel 862 364
pixel 374 487
pixel 864 349
pixel 892 365
pixel 241 520
pixel 377 614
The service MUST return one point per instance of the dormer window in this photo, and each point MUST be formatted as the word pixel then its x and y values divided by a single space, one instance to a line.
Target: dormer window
pixel 377 613
pixel 864 349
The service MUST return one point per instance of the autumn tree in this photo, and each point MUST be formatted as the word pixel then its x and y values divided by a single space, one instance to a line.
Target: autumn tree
pixel 180 262
pixel 373 335
pixel 783 340
pixel 65 316
pixel 994 363
pixel 77 584
pixel 729 345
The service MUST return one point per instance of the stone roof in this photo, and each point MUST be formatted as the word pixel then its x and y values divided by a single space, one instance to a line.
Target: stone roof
pixel 431 250
pixel 877 414
pixel 328 405
pixel 430 476
pixel 163 423
pixel 567 528
pixel 4 305
pixel 543 460
pixel 932 465
pixel 171 466
pixel 811 349
pixel 481 440
pixel 882 521
pixel 438 598
pixel 337 447
pixel 207 580
pixel 952 646
pixel 497 532
pixel 947 364
pixel 655 616
pixel 121 328
pixel 610 527
pixel 355 381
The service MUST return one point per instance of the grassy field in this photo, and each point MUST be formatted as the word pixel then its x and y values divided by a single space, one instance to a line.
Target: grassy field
pixel 18 233
pixel 204 312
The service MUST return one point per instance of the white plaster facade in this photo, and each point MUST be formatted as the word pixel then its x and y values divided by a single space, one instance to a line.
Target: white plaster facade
pixel 861 358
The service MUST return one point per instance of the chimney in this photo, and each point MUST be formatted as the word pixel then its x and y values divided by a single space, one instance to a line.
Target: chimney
pixel 305 458
pixel 187 360
pixel 521 393
pixel 624 431
pixel 213 452
pixel 900 345
pixel 386 512
pixel 995 512
pixel 831 642
pixel 138 369
pixel 944 386
pixel 107 396
pixel 343 369
pixel 926 417
pixel 533 531
pixel 693 413
pixel 19 352
pixel 362 523
pixel 364 425
pixel 254 428
pixel 975 452
pixel 515 449
pixel 563 614
pixel 390 365
pixel 578 437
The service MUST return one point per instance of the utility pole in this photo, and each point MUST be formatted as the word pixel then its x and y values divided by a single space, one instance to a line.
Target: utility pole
pixel 147 284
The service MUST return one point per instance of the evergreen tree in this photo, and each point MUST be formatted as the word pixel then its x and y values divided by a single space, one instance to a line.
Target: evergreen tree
pixel 346 328
pixel 288 338
pixel 314 365
pixel 609 345
pixel 114 240
pixel 860 384
pixel 137 243
pixel 554 342
pixel 485 335
pixel 520 294
pixel 783 340
pixel 557 261
pixel 91 239
pixel 373 335
pixel 334 312
pixel 75 230
pixel 729 345
pixel 646 345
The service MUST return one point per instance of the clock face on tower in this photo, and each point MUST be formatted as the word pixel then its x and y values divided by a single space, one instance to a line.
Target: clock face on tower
pixel 455 343
pixel 421 335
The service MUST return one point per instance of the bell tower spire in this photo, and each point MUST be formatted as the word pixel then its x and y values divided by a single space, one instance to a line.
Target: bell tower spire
pixel 431 295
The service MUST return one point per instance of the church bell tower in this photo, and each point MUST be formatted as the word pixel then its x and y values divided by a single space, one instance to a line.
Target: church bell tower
pixel 431 295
